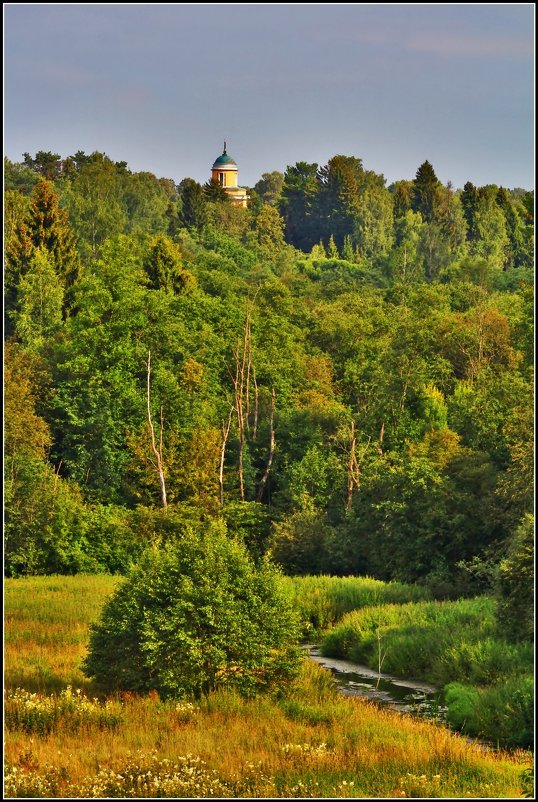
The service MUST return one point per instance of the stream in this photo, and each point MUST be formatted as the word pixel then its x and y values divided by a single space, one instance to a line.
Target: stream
pixel 406 696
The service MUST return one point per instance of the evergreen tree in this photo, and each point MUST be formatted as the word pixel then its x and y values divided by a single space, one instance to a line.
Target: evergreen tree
pixel 193 213
pixel 426 192
pixel 45 226
pixel 45 163
pixel 214 191
pixel 297 205
pixel 332 250
pixel 402 193
pixel 337 200
pixel 163 266
pixel 347 249
pixel 49 228
pixel 470 203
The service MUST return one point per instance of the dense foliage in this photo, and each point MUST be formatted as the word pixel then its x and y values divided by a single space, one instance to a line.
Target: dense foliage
pixel 194 615
pixel 341 372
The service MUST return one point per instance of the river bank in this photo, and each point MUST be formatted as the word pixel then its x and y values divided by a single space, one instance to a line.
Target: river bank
pixel 487 681
pixel 405 696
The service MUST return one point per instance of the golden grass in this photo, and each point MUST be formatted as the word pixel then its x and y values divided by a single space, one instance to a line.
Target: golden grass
pixel 312 743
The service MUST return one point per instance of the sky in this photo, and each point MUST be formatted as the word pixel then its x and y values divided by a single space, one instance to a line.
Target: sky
pixel 161 86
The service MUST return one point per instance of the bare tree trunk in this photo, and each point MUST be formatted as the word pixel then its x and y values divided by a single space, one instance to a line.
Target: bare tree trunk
pixel 56 477
pixel 243 365
pixel 272 444
pixel 354 467
pixel 256 398
pixel 247 352
pixel 238 397
pixel 157 452
pixel 225 433
pixel 380 440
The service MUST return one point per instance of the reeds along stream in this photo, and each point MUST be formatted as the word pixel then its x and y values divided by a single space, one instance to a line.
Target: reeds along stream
pixel 405 696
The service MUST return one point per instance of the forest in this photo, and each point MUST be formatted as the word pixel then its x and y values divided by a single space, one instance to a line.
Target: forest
pixel 342 372
pixel 230 431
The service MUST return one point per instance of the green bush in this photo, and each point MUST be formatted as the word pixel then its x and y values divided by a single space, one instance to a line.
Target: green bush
pixel 501 713
pixel 462 704
pixel 193 615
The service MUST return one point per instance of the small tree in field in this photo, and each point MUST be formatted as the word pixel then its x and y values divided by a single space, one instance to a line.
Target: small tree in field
pixel 195 614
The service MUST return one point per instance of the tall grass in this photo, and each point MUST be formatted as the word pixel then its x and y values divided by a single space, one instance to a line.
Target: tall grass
pixel 322 600
pixel 46 628
pixel 436 641
pixel 310 742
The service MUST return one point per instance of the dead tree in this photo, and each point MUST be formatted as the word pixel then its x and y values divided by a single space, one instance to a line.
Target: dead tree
pixel 379 444
pixel 272 445
pixel 157 452
pixel 256 398
pixel 239 390
pixel 225 433
pixel 241 382
pixel 353 471
pixel 353 466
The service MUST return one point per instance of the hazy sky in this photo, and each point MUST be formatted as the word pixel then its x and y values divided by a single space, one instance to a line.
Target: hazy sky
pixel 160 86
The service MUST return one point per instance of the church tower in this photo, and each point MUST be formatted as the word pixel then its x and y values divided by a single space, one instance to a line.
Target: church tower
pixel 224 171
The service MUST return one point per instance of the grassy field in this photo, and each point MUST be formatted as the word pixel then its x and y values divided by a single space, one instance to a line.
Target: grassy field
pixel 63 741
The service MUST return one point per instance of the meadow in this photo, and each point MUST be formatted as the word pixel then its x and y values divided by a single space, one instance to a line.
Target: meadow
pixel 65 740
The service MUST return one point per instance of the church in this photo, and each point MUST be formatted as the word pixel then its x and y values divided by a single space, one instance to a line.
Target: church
pixel 225 171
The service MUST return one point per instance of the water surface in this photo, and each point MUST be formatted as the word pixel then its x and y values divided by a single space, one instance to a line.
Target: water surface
pixel 406 696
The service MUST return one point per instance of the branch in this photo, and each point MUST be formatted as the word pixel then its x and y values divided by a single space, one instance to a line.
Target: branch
pixel 157 452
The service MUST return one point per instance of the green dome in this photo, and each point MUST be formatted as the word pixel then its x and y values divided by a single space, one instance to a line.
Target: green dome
pixel 224 160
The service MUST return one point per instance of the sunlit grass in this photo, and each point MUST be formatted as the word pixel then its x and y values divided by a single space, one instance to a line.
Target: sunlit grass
pixel 313 742
pixel 322 600
pixel 436 641
pixel 46 629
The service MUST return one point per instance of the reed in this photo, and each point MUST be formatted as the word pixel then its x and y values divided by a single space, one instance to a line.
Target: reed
pixel 437 641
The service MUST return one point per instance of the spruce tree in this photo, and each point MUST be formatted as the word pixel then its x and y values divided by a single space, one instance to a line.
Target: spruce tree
pixel 470 202
pixel 49 228
pixel 426 192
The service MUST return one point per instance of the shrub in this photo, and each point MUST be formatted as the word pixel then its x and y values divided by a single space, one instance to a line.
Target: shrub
pixel 195 614
pixel 515 584
pixel 502 713
pixel 303 543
